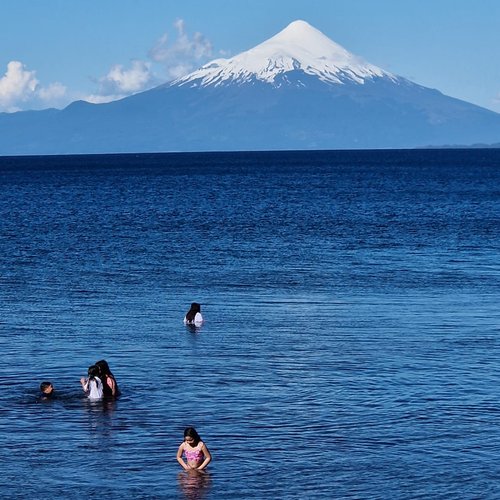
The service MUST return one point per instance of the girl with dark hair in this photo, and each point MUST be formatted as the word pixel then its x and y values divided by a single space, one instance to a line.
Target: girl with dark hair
pixel 92 385
pixel 195 451
pixel 193 316
pixel 109 385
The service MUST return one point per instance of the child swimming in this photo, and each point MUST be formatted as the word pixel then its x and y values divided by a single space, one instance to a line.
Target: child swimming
pixel 92 385
pixel 47 389
pixel 194 450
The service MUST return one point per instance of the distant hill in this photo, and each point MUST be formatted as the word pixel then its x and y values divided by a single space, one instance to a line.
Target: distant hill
pixel 297 90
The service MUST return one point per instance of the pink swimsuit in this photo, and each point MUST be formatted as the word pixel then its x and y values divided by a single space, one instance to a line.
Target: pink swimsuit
pixel 194 455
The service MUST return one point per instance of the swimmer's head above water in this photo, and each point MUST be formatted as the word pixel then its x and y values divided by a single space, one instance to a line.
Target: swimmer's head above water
pixel 47 388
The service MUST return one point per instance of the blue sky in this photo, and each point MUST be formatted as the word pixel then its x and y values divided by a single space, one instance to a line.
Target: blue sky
pixel 53 52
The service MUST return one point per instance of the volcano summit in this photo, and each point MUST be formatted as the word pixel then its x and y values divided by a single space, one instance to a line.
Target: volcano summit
pixel 299 47
pixel 297 90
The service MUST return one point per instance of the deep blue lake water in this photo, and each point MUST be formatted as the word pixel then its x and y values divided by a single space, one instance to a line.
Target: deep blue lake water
pixel 352 339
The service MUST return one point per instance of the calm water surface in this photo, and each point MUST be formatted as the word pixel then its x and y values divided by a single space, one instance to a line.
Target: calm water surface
pixel 351 345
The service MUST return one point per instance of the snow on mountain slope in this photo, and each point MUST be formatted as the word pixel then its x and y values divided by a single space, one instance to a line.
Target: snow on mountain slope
pixel 298 47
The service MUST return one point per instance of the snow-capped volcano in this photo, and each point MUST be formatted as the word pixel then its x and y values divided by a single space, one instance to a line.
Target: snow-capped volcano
pixel 297 90
pixel 299 47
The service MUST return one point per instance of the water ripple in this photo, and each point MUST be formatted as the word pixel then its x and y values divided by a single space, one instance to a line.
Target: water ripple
pixel 351 341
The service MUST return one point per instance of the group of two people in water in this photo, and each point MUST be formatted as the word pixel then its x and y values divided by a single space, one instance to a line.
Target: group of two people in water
pixel 100 382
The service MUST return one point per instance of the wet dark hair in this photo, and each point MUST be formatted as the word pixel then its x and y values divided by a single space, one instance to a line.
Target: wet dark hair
pixel 93 371
pixel 104 373
pixel 192 433
pixel 103 366
pixel 195 308
pixel 45 385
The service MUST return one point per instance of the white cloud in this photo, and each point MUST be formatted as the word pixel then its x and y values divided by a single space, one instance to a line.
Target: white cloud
pixel 16 86
pixel 167 60
pixel 54 92
pixel 121 81
pixel 182 55
pixel 19 88
pixel 172 60
pixel 178 70
pixel 101 99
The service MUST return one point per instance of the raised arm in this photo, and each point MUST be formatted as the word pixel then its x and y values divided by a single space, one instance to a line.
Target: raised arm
pixel 85 384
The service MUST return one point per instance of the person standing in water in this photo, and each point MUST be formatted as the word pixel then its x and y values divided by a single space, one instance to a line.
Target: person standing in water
pixel 92 385
pixel 194 450
pixel 193 316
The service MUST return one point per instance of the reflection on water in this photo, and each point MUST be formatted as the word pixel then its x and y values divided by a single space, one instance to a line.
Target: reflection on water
pixel 193 329
pixel 194 484
pixel 99 417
